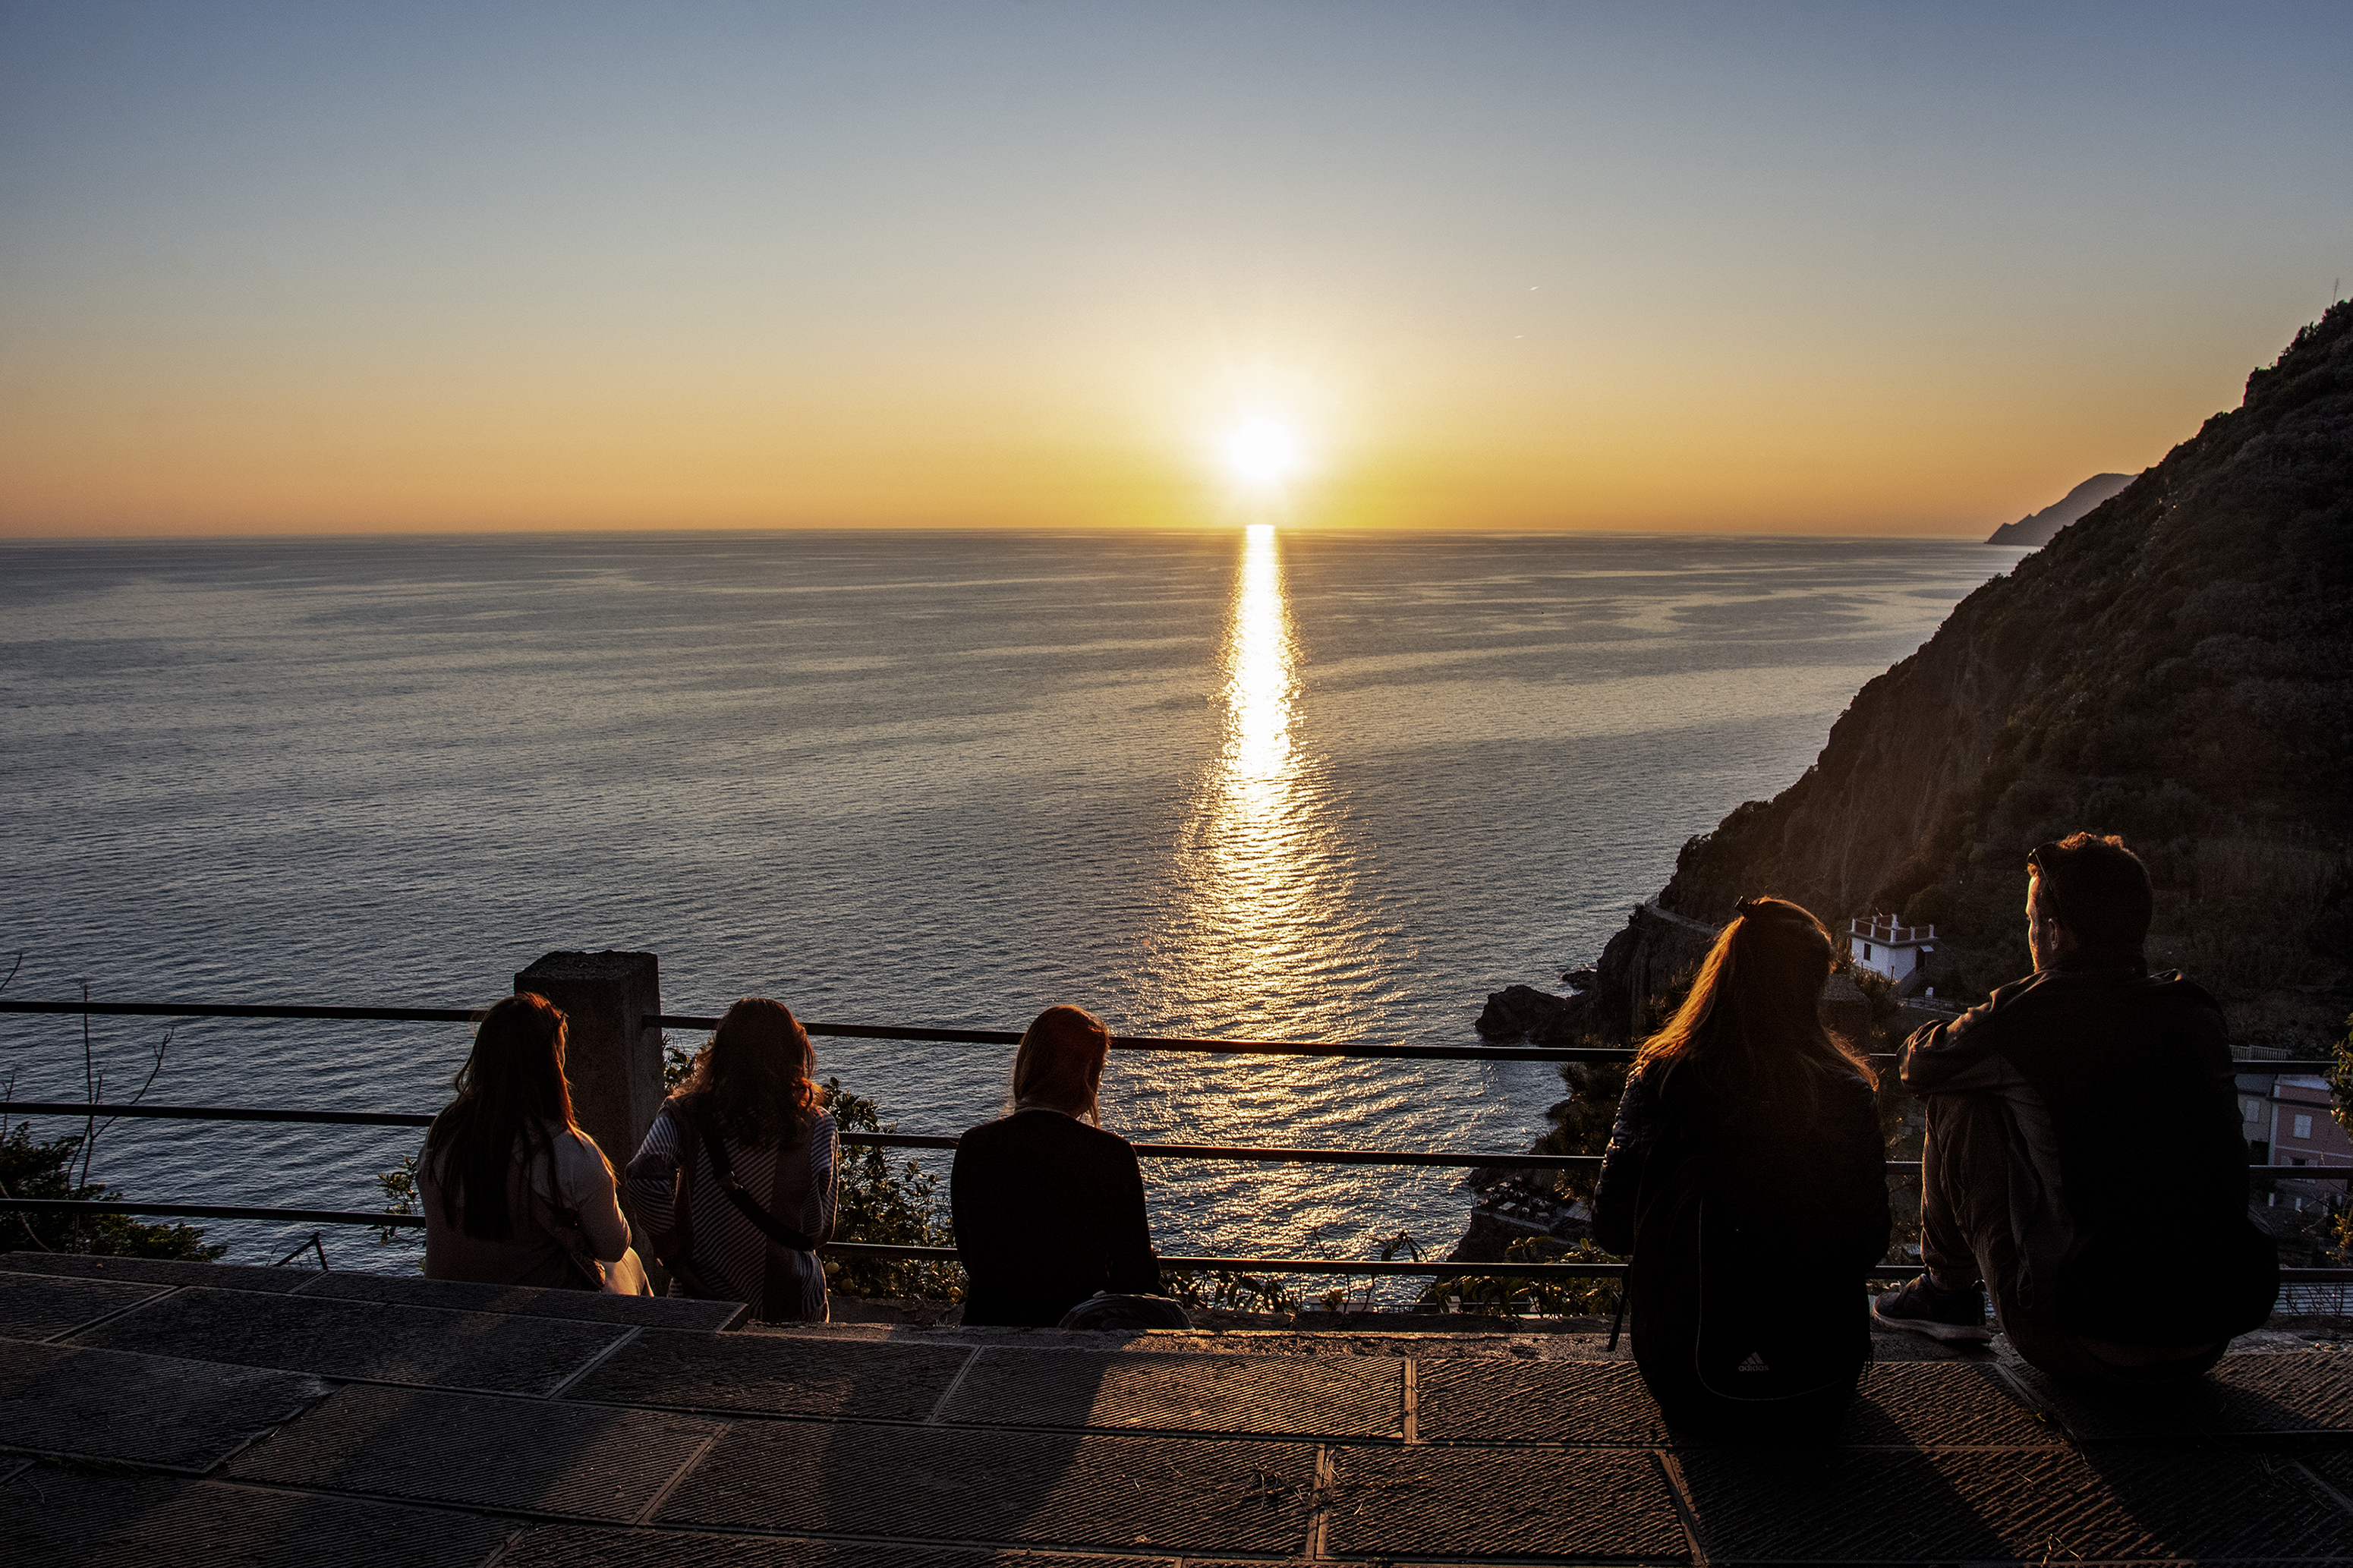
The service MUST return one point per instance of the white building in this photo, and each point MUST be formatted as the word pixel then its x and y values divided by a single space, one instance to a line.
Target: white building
pixel 1894 951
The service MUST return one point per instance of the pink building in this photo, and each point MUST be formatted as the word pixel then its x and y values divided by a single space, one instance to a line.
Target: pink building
pixel 2288 1122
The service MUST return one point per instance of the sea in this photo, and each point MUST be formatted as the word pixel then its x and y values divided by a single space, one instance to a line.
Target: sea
pixel 1244 783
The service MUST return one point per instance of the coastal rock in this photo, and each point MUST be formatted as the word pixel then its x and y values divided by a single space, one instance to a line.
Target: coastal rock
pixel 1490 1236
pixel 1656 949
pixel 1517 1010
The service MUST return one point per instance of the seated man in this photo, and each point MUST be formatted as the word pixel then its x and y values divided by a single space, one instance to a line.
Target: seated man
pixel 2085 1159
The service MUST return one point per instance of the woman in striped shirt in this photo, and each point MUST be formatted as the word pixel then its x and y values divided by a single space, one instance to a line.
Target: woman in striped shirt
pixel 745 1226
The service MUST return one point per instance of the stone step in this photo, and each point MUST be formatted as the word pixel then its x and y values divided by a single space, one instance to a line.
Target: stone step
pixel 390 1290
pixel 48 1306
pixel 524 1457
pixel 2262 1397
pixel 60 1401
pixel 361 1341
pixel 953 1485
pixel 53 1516
pixel 585 1306
pixel 762 1374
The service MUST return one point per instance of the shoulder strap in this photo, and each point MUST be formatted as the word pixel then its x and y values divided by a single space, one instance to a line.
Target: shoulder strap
pixel 768 1225
pixel 675 1246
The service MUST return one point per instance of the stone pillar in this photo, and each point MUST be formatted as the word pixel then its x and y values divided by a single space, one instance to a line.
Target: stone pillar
pixel 612 1055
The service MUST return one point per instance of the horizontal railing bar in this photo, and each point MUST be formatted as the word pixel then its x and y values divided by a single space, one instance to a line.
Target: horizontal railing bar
pixel 1178 1043
pixel 1531 1270
pixel 205 1211
pixel 950 1255
pixel 955 1037
pixel 944 1141
pixel 240 1010
pixel 218 1113
pixel 1363 1156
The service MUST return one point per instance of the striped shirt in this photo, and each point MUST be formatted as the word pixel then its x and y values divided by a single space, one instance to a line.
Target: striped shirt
pixel 730 1252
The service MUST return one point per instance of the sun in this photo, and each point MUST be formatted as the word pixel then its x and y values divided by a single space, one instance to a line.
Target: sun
pixel 1261 454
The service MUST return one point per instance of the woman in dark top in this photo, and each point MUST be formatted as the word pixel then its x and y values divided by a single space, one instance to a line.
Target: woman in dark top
pixel 1746 1177
pixel 1049 1207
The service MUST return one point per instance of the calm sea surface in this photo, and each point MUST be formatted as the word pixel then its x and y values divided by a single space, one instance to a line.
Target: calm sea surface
pixel 1242 783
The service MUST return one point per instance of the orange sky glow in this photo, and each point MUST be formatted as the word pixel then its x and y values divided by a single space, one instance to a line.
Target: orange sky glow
pixel 273 270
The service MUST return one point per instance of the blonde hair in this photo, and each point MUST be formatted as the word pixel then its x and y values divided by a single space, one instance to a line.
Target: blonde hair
pixel 1753 1016
pixel 1060 1064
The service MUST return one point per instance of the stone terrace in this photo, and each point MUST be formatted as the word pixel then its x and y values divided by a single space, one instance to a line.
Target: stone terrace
pixel 159 1412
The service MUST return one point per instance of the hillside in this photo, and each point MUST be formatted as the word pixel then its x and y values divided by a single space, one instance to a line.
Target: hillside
pixel 2175 667
pixel 2036 528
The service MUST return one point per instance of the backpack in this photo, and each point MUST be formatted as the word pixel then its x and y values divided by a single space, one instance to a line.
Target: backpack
pixel 1744 1322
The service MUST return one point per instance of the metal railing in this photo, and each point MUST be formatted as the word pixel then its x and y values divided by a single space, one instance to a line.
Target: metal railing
pixel 923 1033
pixel 1390 1157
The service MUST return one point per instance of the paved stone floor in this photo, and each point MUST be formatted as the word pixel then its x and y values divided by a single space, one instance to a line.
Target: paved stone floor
pixel 165 1412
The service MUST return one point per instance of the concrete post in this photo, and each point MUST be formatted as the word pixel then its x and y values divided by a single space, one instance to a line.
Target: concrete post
pixel 612 1056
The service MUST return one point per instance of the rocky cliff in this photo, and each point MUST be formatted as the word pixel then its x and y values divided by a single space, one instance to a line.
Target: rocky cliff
pixel 2175 667
pixel 2035 529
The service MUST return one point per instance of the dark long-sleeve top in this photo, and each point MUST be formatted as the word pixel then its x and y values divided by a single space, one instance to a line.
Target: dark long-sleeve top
pixel 2126 1148
pixel 1822 1177
pixel 1048 1210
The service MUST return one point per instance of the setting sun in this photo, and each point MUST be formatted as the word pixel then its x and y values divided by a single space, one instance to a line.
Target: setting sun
pixel 1261 454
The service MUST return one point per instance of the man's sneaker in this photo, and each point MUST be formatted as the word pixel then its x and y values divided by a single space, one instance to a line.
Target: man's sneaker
pixel 1923 1309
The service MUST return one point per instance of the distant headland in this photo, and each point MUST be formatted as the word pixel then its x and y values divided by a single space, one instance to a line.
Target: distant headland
pixel 2035 529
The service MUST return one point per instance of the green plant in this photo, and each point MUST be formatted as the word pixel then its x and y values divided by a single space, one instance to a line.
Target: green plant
pixel 2340 1082
pixel 33 1170
pixel 1512 1295
pixel 1212 1287
pixel 1581 1123
pixel 677 1063
pixel 399 1185
pixel 875 1203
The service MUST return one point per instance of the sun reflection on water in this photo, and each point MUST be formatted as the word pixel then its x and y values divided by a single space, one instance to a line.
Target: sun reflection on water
pixel 1264 936
pixel 1262 869
pixel 1261 679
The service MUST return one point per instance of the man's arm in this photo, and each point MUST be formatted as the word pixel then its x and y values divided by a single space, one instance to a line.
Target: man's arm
pixel 1965 1055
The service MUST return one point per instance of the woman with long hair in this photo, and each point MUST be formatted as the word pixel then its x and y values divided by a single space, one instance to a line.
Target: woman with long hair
pixel 1049 1207
pixel 1745 1178
pixel 734 1181
pixel 514 1193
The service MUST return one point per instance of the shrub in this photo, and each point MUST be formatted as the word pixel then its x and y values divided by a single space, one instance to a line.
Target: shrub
pixel 873 1203
pixel 1212 1287
pixel 31 1170
pixel 1582 1122
pixel 1512 1295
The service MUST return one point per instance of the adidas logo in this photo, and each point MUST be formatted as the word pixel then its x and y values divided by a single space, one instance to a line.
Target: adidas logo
pixel 1756 1362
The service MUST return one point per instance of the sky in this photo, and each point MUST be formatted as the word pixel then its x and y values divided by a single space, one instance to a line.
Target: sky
pixel 1879 269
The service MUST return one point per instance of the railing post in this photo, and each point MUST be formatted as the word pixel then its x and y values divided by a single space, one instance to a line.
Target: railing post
pixel 613 1059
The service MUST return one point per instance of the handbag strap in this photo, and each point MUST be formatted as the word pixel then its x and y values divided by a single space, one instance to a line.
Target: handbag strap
pixel 587 1268
pixel 768 1225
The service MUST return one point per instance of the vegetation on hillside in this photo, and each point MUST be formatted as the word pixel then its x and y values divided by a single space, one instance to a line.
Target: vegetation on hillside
pixel 2177 667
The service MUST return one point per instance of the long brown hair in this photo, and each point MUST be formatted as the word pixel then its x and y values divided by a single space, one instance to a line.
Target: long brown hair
pixel 1753 1022
pixel 1060 1064
pixel 510 1089
pixel 754 1081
